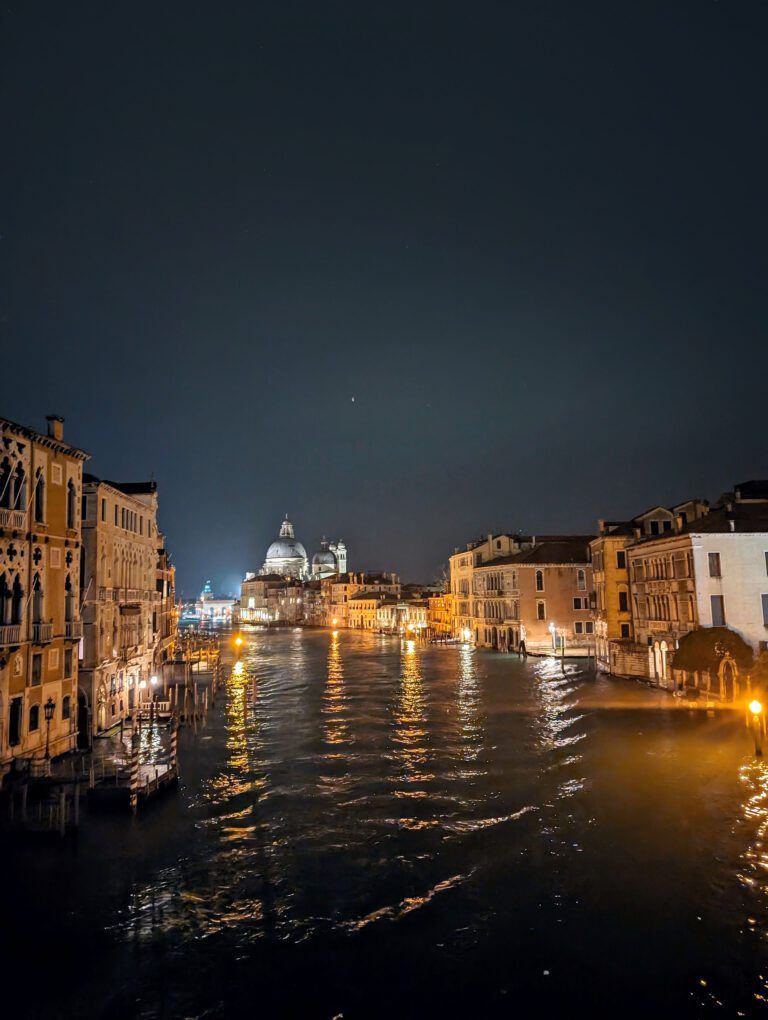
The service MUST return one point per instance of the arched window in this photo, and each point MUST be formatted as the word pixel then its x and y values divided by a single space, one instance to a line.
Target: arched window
pixel 5 600
pixel 71 504
pixel 66 707
pixel 39 497
pixel 581 580
pixel 19 501
pixel 34 718
pixel 17 601
pixel 5 484
pixel 69 601
pixel 37 600
pixel 539 580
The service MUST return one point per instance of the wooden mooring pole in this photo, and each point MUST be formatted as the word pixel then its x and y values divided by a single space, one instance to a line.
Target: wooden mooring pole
pixel 135 744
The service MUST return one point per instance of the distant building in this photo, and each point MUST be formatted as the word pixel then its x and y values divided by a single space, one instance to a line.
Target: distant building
pixel 287 557
pixel 342 589
pixel 211 608
pixel 524 593
pixel 440 617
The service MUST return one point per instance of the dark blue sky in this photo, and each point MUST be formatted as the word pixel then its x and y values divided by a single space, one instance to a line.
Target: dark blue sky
pixel 528 238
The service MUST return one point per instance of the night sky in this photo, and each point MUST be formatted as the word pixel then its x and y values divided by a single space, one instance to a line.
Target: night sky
pixel 529 240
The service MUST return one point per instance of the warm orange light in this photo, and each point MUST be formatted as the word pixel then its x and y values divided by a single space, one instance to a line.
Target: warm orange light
pixel 334 621
pixel 238 640
pixel 755 707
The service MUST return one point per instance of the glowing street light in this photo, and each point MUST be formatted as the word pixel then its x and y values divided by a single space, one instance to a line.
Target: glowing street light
pixel 334 621
pixel 757 724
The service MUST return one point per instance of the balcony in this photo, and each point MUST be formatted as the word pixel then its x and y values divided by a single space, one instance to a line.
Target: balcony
pixel 14 519
pixel 10 634
pixel 73 628
pixel 41 632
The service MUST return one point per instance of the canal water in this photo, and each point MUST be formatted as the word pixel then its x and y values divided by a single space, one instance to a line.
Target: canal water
pixel 373 828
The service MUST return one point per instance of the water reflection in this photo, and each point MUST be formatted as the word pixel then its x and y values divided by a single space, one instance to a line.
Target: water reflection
pixel 470 723
pixel 334 709
pixel 410 722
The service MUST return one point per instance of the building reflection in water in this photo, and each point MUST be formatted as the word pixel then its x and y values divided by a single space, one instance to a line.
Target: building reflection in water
pixel 410 722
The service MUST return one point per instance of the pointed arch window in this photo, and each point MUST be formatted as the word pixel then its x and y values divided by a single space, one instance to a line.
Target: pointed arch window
pixel 20 488
pixel 39 497
pixel 5 600
pixel 37 599
pixel 5 484
pixel 71 504
pixel 69 601
pixel 539 580
pixel 17 601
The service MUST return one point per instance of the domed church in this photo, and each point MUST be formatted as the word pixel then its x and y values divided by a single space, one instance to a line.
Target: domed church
pixel 330 559
pixel 288 557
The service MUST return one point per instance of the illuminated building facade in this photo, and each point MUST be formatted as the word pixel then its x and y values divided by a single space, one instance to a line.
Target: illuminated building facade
pixel 125 604
pixel 40 562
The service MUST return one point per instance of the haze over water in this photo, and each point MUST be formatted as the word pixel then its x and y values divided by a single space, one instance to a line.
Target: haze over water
pixel 374 828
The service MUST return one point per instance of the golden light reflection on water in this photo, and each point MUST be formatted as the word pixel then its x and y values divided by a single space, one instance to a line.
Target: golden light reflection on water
pixel 753 774
pixel 336 730
pixel 410 721
pixel 470 723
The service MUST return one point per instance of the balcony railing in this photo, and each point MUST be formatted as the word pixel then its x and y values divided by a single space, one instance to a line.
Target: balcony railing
pixel 42 632
pixel 73 628
pixel 10 634
pixel 12 519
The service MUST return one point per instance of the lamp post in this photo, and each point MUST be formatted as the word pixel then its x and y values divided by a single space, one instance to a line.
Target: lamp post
pixel 553 632
pixel 48 708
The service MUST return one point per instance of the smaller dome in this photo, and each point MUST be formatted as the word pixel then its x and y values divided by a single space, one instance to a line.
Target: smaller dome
pixel 324 557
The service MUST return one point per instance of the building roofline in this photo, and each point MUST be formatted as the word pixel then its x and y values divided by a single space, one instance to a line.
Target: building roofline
pixel 44 440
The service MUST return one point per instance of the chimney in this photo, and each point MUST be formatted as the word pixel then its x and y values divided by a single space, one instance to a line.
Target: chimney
pixel 732 524
pixel 638 532
pixel 533 540
pixel 55 427
pixel 601 526
pixel 678 523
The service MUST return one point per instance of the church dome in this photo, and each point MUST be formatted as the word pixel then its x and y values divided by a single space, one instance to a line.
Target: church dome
pixel 324 558
pixel 286 555
pixel 286 549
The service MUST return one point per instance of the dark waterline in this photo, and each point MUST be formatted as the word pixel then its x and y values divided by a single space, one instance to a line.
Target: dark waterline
pixel 372 829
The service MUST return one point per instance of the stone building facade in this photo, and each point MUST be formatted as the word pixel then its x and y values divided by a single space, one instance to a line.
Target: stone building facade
pixel 40 562
pixel 612 602
pixel 124 612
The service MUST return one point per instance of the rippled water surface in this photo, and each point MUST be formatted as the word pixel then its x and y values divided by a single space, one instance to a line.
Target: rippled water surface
pixel 369 828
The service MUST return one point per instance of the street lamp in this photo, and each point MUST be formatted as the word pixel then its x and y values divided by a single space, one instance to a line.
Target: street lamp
pixel 48 708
